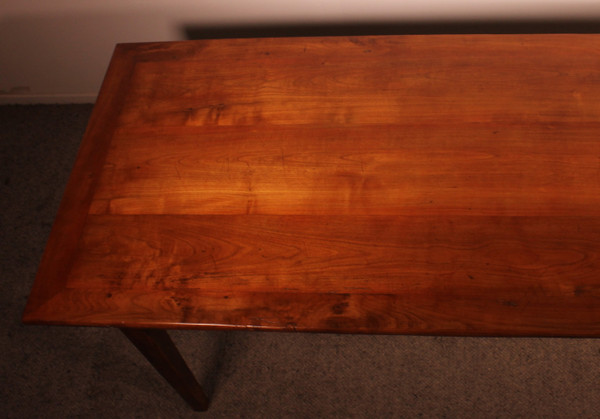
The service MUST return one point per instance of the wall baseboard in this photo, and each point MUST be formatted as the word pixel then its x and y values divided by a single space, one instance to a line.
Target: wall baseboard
pixel 8 99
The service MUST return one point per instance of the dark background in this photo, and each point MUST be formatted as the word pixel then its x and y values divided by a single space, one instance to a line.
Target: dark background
pixel 479 26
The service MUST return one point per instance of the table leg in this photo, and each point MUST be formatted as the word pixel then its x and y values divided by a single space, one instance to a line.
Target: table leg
pixel 159 349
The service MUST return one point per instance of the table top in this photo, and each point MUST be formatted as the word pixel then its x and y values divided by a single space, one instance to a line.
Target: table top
pixel 385 184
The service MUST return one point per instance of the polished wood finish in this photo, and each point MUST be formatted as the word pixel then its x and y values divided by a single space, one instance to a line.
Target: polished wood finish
pixel 159 350
pixel 396 184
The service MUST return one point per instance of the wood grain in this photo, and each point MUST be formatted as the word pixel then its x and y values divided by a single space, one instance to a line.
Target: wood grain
pixel 72 213
pixel 446 314
pixel 536 169
pixel 369 80
pixel 311 254
pixel 398 184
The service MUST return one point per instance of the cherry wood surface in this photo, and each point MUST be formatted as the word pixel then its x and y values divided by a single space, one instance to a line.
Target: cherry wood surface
pixel 394 184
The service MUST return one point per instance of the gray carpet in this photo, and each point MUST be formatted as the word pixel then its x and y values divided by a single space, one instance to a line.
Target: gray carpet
pixel 90 372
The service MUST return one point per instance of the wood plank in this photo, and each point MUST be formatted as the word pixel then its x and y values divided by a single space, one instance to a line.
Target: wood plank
pixel 430 314
pixel 371 80
pixel 537 169
pixel 513 259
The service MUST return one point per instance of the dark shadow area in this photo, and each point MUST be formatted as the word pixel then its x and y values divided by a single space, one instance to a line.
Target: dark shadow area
pixel 392 28
pixel 215 358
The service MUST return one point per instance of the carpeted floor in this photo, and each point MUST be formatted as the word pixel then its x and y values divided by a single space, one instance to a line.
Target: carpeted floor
pixel 89 372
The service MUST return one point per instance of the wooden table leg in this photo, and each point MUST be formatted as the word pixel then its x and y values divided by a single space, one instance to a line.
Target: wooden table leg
pixel 159 349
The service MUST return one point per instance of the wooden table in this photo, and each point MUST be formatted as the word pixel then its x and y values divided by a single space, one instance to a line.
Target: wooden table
pixel 403 184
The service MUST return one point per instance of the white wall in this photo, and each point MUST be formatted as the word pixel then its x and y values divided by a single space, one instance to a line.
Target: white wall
pixel 58 51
